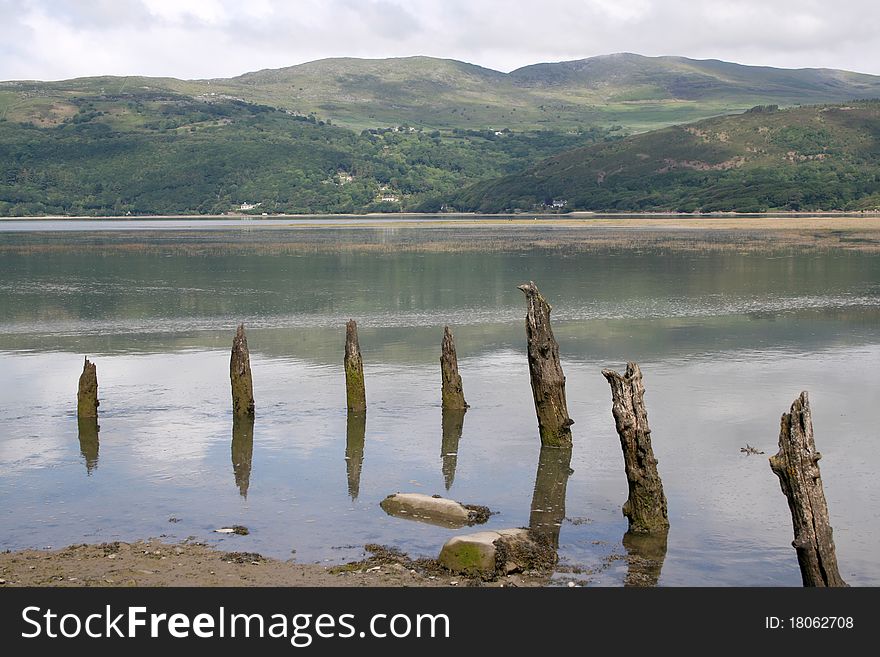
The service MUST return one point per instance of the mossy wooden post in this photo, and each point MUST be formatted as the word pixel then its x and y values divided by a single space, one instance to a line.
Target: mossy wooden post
pixel 646 507
pixel 355 392
pixel 87 396
pixel 548 380
pixel 452 393
pixel 240 376
pixel 797 466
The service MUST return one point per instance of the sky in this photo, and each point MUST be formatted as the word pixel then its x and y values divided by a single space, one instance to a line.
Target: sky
pixel 60 39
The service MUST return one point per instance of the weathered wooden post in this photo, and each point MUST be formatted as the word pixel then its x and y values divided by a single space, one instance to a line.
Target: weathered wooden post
pixel 797 466
pixel 355 392
pixel 355 437
pixel 242 451
pixel 452 393
pixel 646 507
pixel 452 425
pixel 240 375
pixel 87 396
pixel 548 498
pixel 88 441
pixel 548 380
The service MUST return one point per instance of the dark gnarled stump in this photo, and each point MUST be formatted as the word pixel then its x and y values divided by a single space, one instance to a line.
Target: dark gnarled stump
pixel 355 392
pixel 240 375
pixel 646 507
pixel 548 380
pixel 87 396
pixel 797 466
pixel 452 393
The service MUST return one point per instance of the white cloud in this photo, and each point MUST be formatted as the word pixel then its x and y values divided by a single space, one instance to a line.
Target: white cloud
pixel 46 39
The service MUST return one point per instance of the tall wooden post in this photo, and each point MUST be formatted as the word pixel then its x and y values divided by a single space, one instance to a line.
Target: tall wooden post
pixel 797 466
pixel 548 380
pixel 452 392
pixel 646 507
pixel 87 395
pixel 240 375
pixel 355 392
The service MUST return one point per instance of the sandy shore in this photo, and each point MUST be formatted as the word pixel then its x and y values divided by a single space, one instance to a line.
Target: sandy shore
pixel 154 563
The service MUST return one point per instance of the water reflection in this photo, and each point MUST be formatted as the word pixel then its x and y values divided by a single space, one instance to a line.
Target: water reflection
pixel 645 554
pixel 355 433
pixel 548 500
pixel 242 451
pixel 88 442
pixel 452 425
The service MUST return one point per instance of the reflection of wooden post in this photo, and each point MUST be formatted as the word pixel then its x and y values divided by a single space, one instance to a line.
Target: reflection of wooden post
pixel 548 499
pixel 797 466
pixel 355 436
pixel 452 424
pixel 87 396
pixel 646 506
pixel 548 381
pixel 645 554
pixel 452 393
pixel 240 375
pixel 355 392
pixel 242 451
pixel 88 442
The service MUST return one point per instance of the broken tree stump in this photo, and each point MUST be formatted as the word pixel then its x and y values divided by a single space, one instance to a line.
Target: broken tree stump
pixel 548 380
pixel 452 392
pixel 646 507
pixel 355 392
pixel 797 466
pixel 87 395
pixel 240 375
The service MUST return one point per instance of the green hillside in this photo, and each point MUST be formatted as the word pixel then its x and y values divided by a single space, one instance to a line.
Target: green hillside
pixel 808 158
pixel 631 91
pixel 154 152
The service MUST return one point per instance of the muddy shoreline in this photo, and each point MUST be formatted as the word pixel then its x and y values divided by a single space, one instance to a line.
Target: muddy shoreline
pixel 155 563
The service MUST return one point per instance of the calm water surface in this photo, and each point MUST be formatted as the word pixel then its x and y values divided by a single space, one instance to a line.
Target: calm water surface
pixel 725 341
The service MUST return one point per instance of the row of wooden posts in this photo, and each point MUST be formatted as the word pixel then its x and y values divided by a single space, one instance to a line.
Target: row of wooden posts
pixel 796 464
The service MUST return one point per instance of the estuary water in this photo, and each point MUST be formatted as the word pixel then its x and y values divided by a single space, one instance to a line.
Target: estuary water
pixel 726 340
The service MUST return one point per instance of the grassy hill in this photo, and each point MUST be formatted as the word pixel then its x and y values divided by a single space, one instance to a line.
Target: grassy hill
pixel 806 158
pixel 631 91
pixel 355 135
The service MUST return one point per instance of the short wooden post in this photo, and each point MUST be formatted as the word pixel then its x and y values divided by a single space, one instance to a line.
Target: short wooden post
pixel 451 391
pixel 548 380
pixel 355 391
pixel 797 466
pixel 355 437
pixel 646 507
pixel 87 396
pixel 452 425
pixel 240 375
pixel 242 451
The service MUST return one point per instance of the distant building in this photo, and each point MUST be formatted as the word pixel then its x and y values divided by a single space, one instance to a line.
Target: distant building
pixel 559 203
pixel 249 206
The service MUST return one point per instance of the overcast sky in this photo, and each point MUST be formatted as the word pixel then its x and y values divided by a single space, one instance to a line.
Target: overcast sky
pixel 56 39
